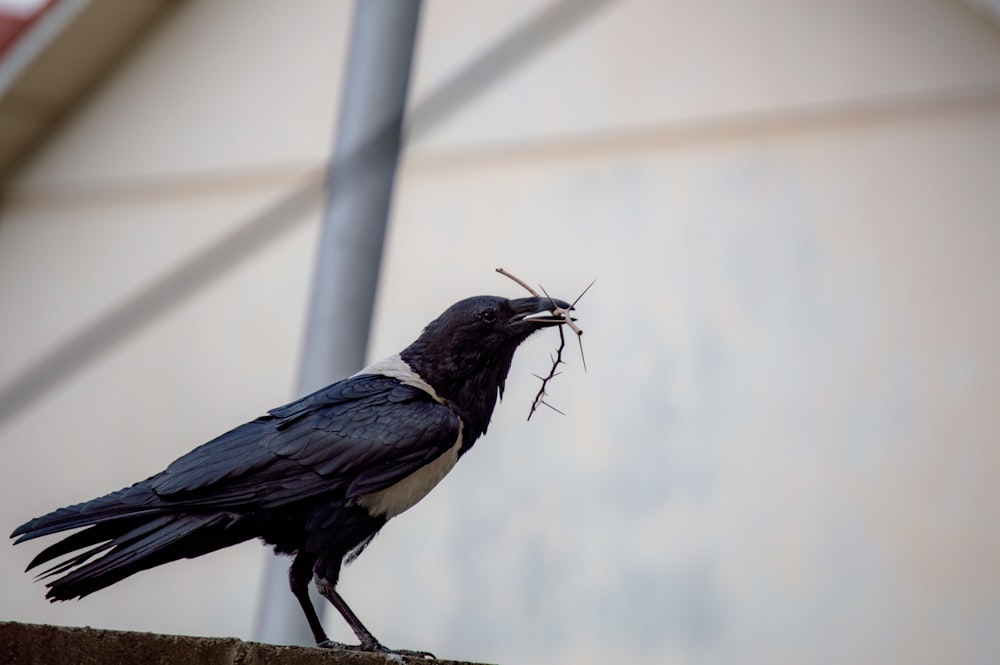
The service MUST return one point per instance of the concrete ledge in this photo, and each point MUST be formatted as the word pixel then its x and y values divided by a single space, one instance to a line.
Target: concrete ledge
pixel 30 644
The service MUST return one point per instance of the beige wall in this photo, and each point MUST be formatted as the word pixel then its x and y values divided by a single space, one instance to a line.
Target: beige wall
pixel 785 447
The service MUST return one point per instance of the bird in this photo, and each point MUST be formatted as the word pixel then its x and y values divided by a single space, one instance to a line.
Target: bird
pixel 315 479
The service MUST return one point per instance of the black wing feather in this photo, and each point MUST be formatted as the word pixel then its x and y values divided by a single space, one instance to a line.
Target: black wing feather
pixel 369 430
pixel 363 428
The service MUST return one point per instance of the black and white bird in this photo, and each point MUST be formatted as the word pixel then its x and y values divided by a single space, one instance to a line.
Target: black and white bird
pixel 316 478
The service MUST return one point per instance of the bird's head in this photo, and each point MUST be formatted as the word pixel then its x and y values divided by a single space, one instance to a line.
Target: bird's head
pixel 466 352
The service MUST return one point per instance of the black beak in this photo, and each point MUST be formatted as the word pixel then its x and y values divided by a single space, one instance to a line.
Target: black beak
pixel 538 312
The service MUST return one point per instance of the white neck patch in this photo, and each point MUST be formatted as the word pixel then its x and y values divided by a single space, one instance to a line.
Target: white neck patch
pixel 397 368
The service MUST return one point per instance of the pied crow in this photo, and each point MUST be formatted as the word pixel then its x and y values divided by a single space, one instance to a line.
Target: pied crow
pixel 316 478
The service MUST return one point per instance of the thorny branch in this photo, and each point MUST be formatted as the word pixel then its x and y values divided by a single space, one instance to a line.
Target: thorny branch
pixel 557 358
pixel 542 393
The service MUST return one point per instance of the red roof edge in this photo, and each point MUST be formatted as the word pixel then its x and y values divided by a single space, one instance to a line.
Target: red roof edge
pixel 12 26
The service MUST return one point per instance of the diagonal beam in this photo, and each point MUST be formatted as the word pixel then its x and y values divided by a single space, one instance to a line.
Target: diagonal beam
pixel 211 263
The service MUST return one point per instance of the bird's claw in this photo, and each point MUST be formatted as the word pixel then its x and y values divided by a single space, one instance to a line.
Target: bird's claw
pixel 407 653
pixel 376 647
pixel 425 655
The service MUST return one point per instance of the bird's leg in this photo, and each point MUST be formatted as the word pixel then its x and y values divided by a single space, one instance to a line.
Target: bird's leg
pixel 366 639
pixel 298 580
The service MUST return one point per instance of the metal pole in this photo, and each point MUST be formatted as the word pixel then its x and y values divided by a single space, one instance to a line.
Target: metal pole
pixel 359 182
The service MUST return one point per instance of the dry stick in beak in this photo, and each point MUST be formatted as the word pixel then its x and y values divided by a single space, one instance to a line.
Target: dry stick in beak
pixel 569 320
pixel 557 358
pixel 558 311
pixel 521 282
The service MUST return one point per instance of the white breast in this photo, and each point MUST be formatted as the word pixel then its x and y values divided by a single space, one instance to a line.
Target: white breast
pixel 407 492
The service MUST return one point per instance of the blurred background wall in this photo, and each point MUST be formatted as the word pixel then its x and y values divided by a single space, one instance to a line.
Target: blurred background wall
pixel 785 447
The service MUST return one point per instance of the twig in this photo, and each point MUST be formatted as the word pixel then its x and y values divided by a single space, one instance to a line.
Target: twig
pixel 520 281
pixel 557 359
pixel 579 333
pixel 556 309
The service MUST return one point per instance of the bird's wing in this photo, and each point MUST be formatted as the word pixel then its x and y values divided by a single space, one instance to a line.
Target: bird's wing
pixel 360 435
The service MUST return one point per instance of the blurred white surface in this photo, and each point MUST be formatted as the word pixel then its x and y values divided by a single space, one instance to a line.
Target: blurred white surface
pixel 785 447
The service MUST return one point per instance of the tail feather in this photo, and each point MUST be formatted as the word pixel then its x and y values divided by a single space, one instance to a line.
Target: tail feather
pixel 131 502
pixel 149 544
pixel 74 561
pixel 128 531
pixel 96 534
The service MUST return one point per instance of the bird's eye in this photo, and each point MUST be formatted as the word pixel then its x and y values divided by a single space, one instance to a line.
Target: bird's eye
pixel 487 315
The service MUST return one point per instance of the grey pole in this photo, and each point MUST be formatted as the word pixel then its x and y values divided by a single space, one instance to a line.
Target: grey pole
pixel 359 182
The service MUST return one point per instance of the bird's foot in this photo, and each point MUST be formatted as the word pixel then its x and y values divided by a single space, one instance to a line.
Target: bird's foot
pixel 425 655
pixel 376 647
